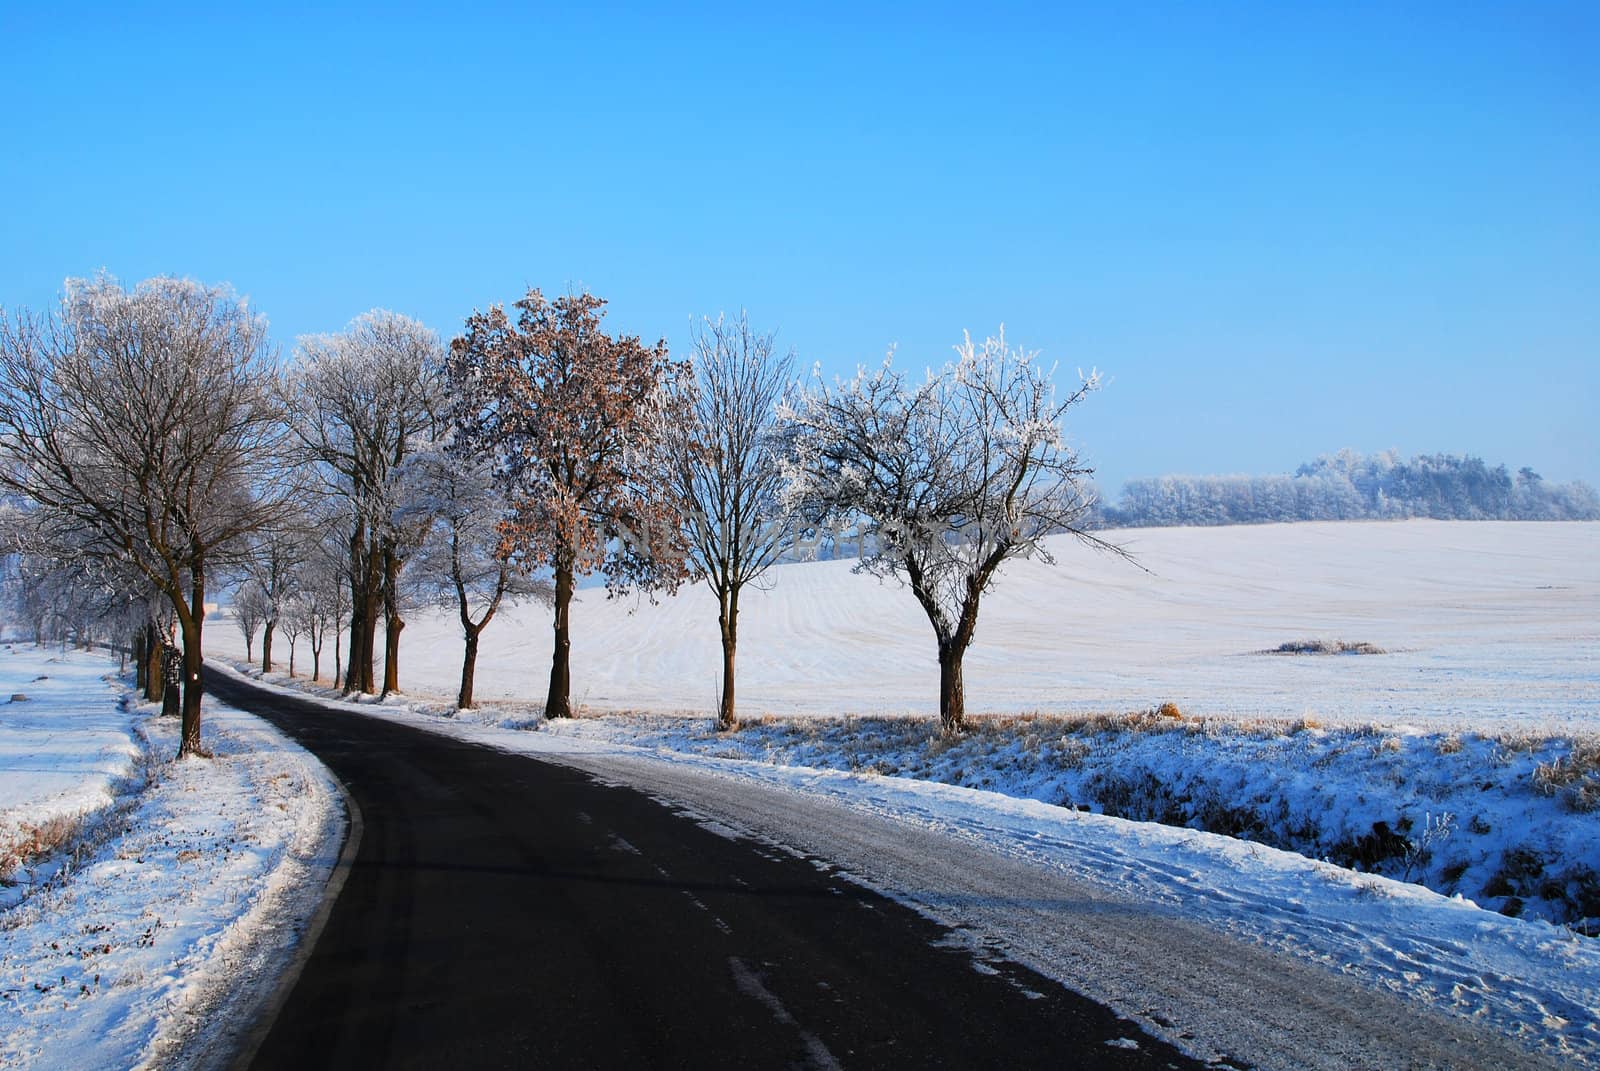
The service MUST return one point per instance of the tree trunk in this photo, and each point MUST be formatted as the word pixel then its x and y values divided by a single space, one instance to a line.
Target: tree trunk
pixel 140 667
pixel 728 622
pixel 357 602
pixel 366 677
pixel 190 624
pixel 352 669
pixel 393 622
pixel 154 684
pixel 363 640
pixel 250 647
pixel 558 704
pixel 365 597
pixel 171 681
pixel 266 646
pixel 469 668
pixel 952 694
pixel 336 661
pixel 192 692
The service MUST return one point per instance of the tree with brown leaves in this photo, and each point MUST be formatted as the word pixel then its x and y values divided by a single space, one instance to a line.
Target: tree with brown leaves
pixel 571 416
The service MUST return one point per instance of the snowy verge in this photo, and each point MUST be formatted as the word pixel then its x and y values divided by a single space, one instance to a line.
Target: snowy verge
pixel 173 921
pixel 69 752
pixel 1520 978
pixel 1506 820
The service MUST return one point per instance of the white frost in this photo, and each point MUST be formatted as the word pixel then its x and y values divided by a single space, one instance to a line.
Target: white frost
pixel 186 895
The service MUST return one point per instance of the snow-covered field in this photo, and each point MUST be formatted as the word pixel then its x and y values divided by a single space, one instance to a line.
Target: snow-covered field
pixel 180 887
pixel 1487 625
pixel 68 751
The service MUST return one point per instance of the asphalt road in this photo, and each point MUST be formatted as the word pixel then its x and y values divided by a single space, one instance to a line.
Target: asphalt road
pixel 500 911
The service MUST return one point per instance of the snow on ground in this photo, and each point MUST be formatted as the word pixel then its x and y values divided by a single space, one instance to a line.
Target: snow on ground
pixel 1477 815
pixel 1484 780
pixel 1522 978
pixel 1491 679
pixel 1472 740
pixel 68 751
pixel 1465 757
pixel 1488 624
pixel 185 872
pixel 186 890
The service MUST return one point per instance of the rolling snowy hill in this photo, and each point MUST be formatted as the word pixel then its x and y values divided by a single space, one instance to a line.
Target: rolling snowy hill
pixel 1485 623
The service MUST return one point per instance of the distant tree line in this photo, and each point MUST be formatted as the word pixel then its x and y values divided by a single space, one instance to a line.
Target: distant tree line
pixel 1348 486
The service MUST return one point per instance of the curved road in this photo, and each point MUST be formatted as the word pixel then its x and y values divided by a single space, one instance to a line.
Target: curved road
pixel 500 911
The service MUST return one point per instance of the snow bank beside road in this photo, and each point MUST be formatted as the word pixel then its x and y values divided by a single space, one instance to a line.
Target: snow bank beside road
pixel 1468 813
pixel 184 902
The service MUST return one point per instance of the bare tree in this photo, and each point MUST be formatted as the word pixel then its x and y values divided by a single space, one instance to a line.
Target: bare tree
pixel 273 560
pixel 65 586
pixel 61 590
pixel 950 478
pixel 361 401
pixel 722 462
pixel 567 412
pixel 142 422
pixel 28 605
pixel 293 621
pixel 325 595
pixel 251 607
pixel 464 565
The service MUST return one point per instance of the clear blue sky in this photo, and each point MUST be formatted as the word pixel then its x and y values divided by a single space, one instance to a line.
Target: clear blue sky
pixel 1281 229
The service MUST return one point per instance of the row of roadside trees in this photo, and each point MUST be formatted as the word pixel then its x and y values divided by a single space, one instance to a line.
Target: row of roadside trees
pixel 153 443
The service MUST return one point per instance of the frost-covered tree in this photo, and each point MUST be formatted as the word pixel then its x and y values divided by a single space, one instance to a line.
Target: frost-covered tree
pixel 464 564
pixel 361 401
pixel 294 619
pixel 272 561
pixel 140 422
pixel 70 597
pixel 722 462
pixel 251 608
pixel 49 584
pixel 324 590
pixel 568 413
pixel 1352 486
pixel 951 478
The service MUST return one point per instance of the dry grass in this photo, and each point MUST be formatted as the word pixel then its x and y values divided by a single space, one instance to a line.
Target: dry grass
pixel 1575 776
pixel 1325 647
pixel 30 841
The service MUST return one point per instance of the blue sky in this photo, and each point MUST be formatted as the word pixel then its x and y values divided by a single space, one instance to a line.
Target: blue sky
pixel 1280 229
